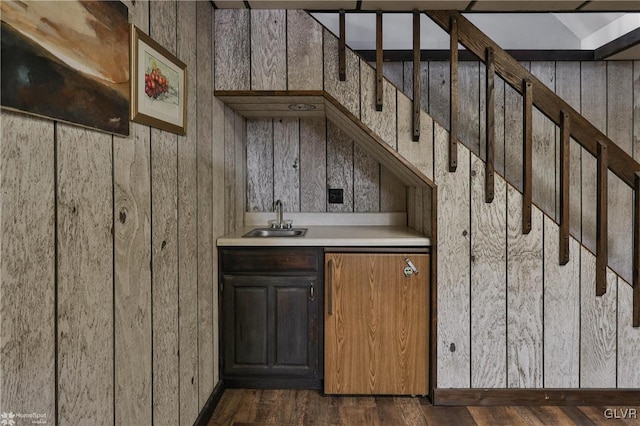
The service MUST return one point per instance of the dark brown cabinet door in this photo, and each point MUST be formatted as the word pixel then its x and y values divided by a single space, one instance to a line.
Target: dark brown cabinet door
pixel 270 330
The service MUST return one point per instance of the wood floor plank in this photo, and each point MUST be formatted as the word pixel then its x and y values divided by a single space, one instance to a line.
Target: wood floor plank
pixel 444 416
pixel 310 407
pixel 576 416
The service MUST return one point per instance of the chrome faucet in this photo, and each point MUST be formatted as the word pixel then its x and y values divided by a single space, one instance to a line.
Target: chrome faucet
pixel 280 223
pixel 277 206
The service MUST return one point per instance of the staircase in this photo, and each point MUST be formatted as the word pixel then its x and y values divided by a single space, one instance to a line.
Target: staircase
pixel 521 316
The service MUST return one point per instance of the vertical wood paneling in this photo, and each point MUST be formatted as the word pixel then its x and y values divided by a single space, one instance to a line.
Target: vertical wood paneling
pixel 561 312
pixel 340 150
pixel 313 165
pixel 85 276
pixel 414 209
pixel 593 93
pixel 217 189
pixel 438 92
pixel 132 265
pixel 394 73
pixel 27 271
pixel 206 132
pixel 382 123
pixel 620 130
pixel 188 225
pixel 513 106
pixel 132 229
pixel 488 282
pixel 568 88
pixel 304 51
pixel 216 161
pixel 499 125
pixel 597 327
pixel 366 182
pixel 636 110
pixel 164 212
pixel 346 92
pixel 260 165
pixel 232 59
pixel 468 105
pixel 164 277
pixel 373 188
pixel 393 194
pixel 240 168
pixel 628 339
pixel 454 335
pixel 268 50
pixel 229 169
pixel 544 153
pixel 524 296
pixel 424 83
pixel 420 153
pixel 286 163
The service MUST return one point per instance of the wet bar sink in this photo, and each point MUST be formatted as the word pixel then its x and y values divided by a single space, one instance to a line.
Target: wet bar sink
pixel 274 233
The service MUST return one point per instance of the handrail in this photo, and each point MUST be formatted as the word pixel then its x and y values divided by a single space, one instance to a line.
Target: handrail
pixel 550 104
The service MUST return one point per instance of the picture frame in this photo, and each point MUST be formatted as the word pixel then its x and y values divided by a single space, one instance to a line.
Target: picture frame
pixel 158 85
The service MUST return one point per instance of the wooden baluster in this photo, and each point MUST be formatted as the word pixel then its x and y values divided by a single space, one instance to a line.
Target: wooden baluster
pixel 379 76
pixel 636 251
pixel 602 256
pixel 416 76
pixel 527 129
pixel 342 49
pixel 489 127
pixel 453 96
pixel 565 135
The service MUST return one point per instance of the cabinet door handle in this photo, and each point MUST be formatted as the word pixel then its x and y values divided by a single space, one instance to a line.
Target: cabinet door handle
pixel 330 265
pixel 312 292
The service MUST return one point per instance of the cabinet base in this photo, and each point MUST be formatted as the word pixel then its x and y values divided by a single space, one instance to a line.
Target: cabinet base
pixel 272 383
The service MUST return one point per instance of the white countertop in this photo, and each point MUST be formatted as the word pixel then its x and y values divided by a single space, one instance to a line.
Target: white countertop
pixel 334 236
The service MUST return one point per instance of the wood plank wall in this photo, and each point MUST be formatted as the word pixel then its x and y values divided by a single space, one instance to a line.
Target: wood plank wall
pixel 297 159
pixel 528 322
pixel 109 270
pixel 508 314
pixel 605 93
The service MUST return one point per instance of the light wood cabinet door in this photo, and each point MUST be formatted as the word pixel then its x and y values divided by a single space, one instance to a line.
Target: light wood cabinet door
pixel 376 324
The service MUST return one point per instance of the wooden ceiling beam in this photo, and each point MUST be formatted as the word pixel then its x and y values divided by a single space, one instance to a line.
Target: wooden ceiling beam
pixel 619 45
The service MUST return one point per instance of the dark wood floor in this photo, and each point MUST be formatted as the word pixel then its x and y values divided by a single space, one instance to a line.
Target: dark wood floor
pixel 306 407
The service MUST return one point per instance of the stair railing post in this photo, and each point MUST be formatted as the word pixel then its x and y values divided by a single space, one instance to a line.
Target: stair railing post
pixel 342 49
pixel 379 74
pixel 527 160
pixel 636 251
pixel 489 184
pixel 453 96
pixel 602 256
pixel 565 138
pixel 416 76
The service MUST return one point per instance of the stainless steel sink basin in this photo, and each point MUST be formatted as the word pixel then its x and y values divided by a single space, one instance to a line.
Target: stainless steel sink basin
pixel 271 233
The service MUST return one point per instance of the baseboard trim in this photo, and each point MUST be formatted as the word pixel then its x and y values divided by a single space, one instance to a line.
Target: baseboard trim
pixel 536 397
pixel 210 405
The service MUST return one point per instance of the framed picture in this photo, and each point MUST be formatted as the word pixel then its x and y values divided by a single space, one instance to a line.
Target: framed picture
pixel 67 61
pixel 158 85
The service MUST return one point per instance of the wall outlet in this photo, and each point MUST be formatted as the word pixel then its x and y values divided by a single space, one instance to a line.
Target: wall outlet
pixel 336 196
